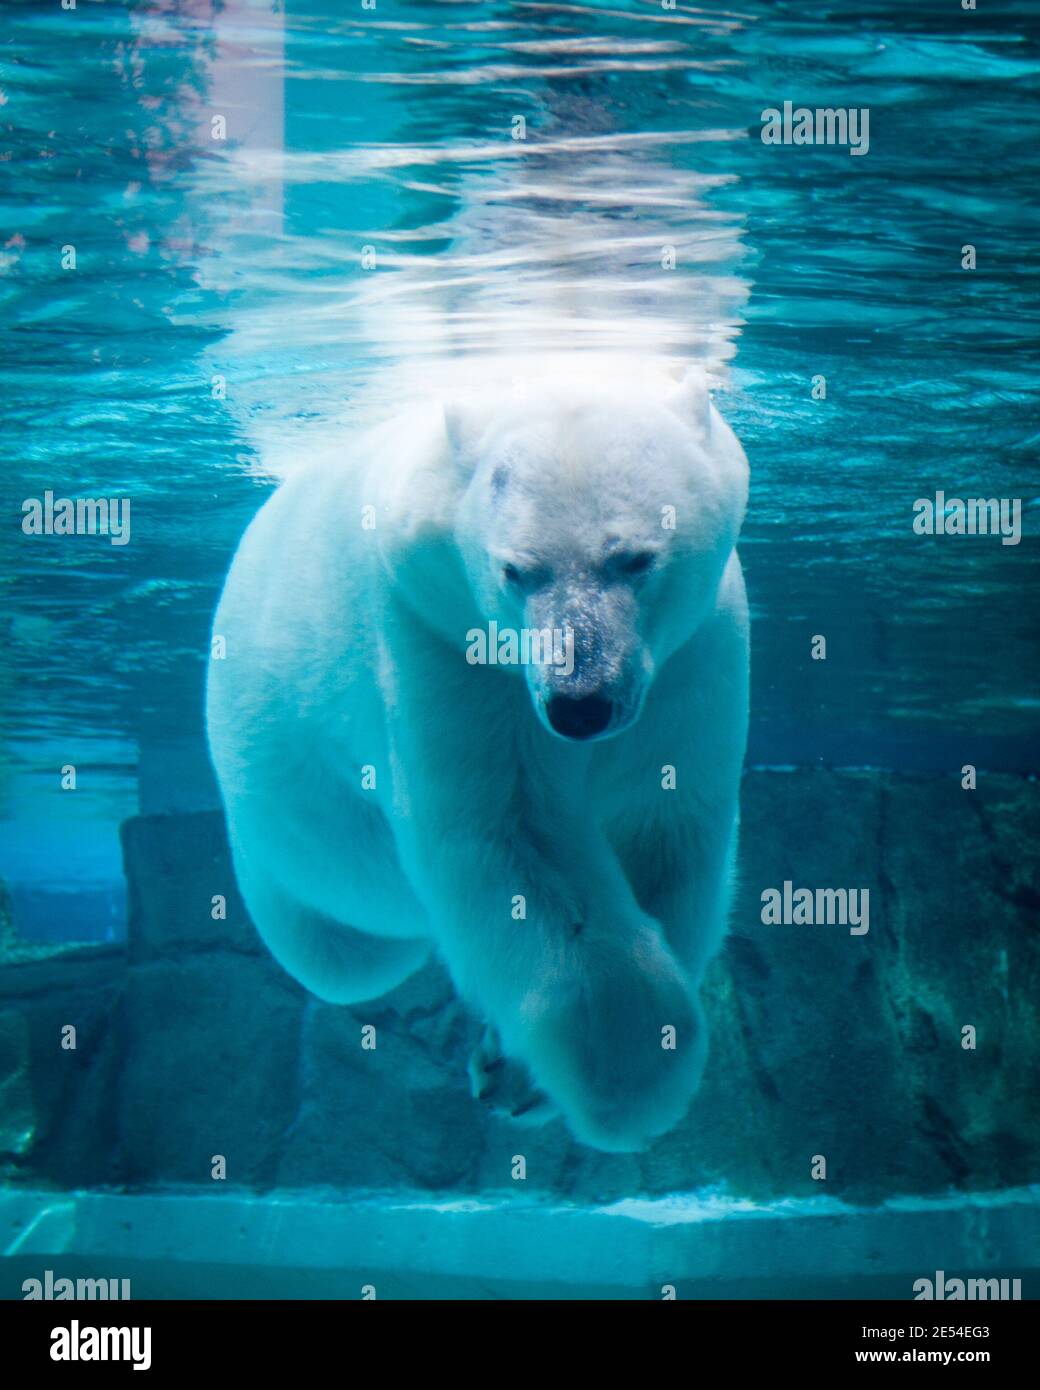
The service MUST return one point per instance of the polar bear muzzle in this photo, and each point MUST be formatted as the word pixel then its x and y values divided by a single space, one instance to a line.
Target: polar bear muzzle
pixel 601 690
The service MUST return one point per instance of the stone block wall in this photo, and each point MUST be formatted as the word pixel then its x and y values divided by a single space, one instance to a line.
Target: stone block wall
pixel 192 1042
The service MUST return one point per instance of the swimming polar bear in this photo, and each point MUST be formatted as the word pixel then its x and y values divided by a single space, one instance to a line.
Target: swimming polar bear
pixel 561 832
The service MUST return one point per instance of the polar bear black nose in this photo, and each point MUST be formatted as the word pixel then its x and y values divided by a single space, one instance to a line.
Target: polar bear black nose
pixel 582 718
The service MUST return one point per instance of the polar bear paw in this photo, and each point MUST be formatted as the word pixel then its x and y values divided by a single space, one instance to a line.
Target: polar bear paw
pixel 505 1086
pixel 623 1054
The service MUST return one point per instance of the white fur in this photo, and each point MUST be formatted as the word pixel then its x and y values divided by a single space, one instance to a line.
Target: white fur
pixel 345 648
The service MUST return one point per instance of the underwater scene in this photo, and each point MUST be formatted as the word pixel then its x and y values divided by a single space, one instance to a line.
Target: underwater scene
pixel 520 650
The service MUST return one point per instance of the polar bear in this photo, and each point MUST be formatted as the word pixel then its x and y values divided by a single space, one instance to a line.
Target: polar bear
pixel 561 832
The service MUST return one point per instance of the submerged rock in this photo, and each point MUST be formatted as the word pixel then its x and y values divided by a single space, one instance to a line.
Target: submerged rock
pixel 17 1112
pixel 831 1052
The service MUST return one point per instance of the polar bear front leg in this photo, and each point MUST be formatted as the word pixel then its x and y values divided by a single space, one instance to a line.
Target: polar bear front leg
pixel 583 989
pixel 528 903
pixel 588 997
pixel 597 1012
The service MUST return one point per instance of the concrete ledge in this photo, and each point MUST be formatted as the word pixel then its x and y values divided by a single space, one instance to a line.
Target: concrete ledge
pixel 232 1245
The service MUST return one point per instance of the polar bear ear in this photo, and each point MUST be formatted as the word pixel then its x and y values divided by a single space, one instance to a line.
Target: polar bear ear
pixel 464 425
pixel 691 400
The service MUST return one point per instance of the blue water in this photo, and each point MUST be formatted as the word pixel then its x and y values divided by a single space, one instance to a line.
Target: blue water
pixel 199 257
pixel 285 217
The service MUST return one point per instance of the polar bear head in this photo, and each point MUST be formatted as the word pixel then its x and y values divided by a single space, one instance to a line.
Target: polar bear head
pixel 599 515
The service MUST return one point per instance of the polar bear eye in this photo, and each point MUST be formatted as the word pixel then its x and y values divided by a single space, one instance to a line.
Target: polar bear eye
pixel 638 563
pixel 524 581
